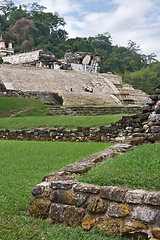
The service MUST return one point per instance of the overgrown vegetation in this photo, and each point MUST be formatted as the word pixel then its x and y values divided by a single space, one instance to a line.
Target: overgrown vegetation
pixel 139 168
pixel 22 166
pixel 29 26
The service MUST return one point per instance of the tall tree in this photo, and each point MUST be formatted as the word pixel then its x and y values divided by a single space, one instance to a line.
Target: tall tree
pixel 7 6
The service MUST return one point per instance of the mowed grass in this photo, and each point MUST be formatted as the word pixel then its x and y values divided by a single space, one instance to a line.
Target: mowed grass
pixel 139 168
pixel 12 105
pixel 33 116
pixel 23 165
pixel 70 122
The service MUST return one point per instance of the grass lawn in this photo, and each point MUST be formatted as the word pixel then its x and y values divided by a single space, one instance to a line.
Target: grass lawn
pixel 11 105
pixel 139 168
pixel 70 122
pixel 22 166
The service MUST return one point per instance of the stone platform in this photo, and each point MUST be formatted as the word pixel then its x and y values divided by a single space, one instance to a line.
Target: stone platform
pixel 71 85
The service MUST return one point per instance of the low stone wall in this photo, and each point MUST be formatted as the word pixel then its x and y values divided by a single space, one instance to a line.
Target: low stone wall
pixel 49 97
pixel 92 111
pixel 111 210
pixel 119 131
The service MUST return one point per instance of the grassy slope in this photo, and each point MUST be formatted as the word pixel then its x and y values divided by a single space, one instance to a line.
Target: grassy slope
pixel 36 117
pixel 70 122
pixel 139 168
pixel 9 105
pixel 22 166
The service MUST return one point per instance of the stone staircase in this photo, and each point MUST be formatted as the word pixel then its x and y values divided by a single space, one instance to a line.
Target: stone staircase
pixel 70 85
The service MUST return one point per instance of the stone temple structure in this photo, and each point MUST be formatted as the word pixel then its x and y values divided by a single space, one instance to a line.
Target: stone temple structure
pixel 75 87
pixel 6 45
pixel 75 78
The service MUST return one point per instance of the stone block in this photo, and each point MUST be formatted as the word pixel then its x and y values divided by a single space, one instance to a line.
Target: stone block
pixel 67 197
pixel 86 188
pixel 116 194
pixel 86 60
pixel 135 196
pixel 155 129
pixel 47 191
pixel 97 205
pixel 145 214
pixel 73 215
pixel 119 210
pixel 57 212
pixel 39 188
pixel 156 232
pixel 108 226
pixel 130 226
pixel 39 207
pixel 153 198
pixel 62 185
pixel 152 117
pixel 89 221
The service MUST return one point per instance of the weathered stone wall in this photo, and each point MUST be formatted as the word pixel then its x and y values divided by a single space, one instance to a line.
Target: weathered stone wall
pixel 119 131
pixel 39 57
pixel 49 97
pixel 92 111
pixel 112 210
pixel 85 68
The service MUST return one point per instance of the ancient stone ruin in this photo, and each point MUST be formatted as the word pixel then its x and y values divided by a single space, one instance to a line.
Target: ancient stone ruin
pixel 76 88
pixel 111 210
pixel 6 46
pixel 84 85
pixel 81 61
pixel 37 57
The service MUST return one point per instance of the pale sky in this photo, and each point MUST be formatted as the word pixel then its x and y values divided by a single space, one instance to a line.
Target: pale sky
pixel 136 20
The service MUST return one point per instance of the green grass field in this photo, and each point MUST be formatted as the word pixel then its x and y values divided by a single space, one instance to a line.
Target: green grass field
pixel 70 122
pixel 13 105
pixel 22 166
pixel 36 117
pixel 139 168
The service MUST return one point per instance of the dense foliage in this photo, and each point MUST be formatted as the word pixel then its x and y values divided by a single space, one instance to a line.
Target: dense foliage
pixel 30 27
pixel 1 61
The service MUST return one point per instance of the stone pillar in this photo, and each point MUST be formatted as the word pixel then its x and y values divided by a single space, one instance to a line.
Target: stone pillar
pixel 10 45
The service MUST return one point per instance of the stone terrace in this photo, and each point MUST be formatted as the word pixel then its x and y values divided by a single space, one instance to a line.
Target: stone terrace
pixel 70 85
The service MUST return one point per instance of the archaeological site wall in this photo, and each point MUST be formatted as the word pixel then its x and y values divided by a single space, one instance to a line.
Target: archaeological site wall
pixel 110 209
pixel 92 111
pixel 48 97
pixel 76 88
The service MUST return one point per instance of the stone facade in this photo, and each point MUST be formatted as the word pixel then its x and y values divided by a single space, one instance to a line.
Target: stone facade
pixel 6 46
pixel 37 57
pixel 81 61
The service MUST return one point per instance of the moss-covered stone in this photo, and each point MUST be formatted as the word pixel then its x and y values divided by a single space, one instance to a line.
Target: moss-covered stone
pixel 119 210
pixel 89 221
pixel 73 215
pixel 97 205
pixel 109 226
pixel 39 207
pixel 156 232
